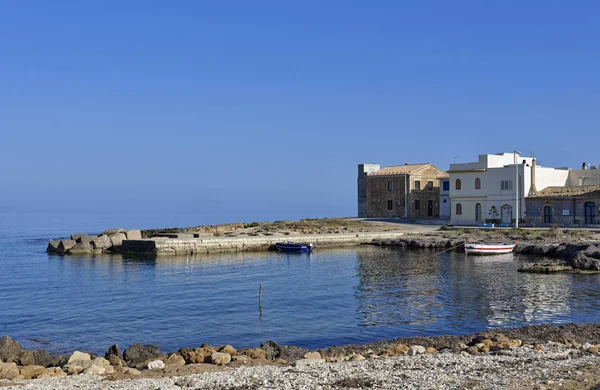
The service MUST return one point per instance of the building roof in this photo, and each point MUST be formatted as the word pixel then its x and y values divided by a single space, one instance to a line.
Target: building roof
pixel 568 191
pixel 406 169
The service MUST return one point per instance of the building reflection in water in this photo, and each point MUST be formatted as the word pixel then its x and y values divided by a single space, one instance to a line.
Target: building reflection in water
pixel 417 292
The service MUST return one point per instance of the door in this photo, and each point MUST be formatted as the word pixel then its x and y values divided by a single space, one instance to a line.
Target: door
pixel 590 213
pixel 547 214
pixel 430 208
pixel 506 213
pixel 478 212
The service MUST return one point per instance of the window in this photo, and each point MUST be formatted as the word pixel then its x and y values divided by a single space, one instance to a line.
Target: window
pixel 417 184
pixel 457 184
pixel 477 183
pixel 430 186
pixel 444 200
pixel 506 185
pixel 390 204
pixel 446 185
pixel 390 185
pixel 458 209
pixel 417 204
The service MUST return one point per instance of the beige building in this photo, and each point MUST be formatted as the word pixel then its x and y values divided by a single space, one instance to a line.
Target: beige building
pixel 407 191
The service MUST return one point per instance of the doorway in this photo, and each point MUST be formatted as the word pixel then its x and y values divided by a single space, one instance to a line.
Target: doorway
pixel 430 208
pixel 506 213
pixel 478 212
pixel 590 213
pixel 547 214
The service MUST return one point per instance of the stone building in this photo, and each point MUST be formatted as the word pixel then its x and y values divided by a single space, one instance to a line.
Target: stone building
pixel 567 206
pixel 407 191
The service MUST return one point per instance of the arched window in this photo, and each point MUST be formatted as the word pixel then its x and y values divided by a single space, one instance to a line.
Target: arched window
pixel 458 209
pixel 477 183
pixel 458 184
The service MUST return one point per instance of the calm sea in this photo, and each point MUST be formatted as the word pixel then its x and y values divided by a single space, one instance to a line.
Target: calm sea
pixel 331 297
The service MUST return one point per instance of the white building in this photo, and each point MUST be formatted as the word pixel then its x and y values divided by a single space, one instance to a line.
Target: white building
pixel 486 190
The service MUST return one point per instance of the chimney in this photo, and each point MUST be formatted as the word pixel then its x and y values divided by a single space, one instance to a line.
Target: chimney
pixel 533 189
pixel 584 166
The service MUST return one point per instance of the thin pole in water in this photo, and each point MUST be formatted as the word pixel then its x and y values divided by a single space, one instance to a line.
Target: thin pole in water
pixel 260 302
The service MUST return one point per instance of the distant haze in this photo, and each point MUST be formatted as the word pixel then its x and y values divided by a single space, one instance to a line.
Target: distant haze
pixel 261 110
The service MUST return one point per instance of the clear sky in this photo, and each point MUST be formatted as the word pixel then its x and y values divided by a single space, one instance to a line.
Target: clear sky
pixel 261 110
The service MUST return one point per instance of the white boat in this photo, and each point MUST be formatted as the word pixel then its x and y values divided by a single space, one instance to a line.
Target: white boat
pixel 489 249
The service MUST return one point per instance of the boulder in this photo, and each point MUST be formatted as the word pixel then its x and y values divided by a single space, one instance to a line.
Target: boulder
pixel 138 353
pixel 117 239
pixel 95 370
pixel 593 252
pixel 59 361
pixel 100 361
pixel 53 246
pixel 81 248
pixel 52 371
pixel 227 349
pixel 9 349
pixel 79 356
pixel 275 351
pixel 79 237
pixel 102 242
pixel 255 353
pixel 113 231
pixel 65 245
pixel 156 365
pixel 175 360
pixel 113 350
pixel 312 355
pixel 580 261
pixel 220 358
pixel 133 234
pixel 9 371
pixel 75 367
pixel 35 358
pixel 414 350
pixel 115 361
pixel 32 372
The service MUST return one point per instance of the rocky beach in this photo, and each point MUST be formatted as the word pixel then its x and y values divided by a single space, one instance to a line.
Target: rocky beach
pixel 533 357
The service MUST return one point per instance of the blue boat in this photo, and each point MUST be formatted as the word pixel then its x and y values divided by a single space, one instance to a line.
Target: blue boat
pixel 292 247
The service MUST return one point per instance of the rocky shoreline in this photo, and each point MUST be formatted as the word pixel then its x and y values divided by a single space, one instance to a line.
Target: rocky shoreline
pixel 383 364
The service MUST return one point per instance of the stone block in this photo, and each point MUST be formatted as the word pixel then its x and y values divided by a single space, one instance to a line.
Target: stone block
pixel 82 247
pixel 53 246
pixel 117 239
pixel 79 237
pixel 133 234
pixel 111 232
pixel 65 245
pixel 102 242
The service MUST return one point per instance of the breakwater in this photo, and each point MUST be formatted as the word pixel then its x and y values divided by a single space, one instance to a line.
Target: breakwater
pixel 131 242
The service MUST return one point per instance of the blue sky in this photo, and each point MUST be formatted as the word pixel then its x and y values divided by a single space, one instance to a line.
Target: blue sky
pixel 261 110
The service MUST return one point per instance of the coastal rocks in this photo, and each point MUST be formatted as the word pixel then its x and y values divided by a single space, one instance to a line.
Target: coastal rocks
pixel 175 360
pixel 35 358
pixel 138 354
pixel 9 349
pixel 111 232
pixel 274 351
pixel 414 350
pixel 32 372
pixel 155 365
pixel 52 371
pixel 79 356
pixel 312 355
pixel 81 248
pixel 255 353
pixel 101 242
pixel 133 234
pixel 79 237
pixel 65 245
pixel 116 240
pixel 82 243
pixel 308 362
pixel 581 260
pixel 544 268
pixel 53 246
pixel 227 349
pixel 9 371
pixel 220 358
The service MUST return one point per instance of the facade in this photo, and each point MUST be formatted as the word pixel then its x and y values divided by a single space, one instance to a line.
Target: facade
pixel 487 190
pixel 445 205
pixel 406 191
pixel 569 206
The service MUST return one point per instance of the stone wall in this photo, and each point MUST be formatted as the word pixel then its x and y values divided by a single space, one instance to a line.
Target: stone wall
pixel 566 212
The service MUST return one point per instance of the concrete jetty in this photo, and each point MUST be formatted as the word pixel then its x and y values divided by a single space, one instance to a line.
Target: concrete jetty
pixel 183 246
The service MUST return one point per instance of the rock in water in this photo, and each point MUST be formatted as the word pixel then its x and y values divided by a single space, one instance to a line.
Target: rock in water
pixel 156 365
pixel 78 237
pixel 137 354
pixel 53 246
pixel 65 245
pixel 110 232
pixel 81 248
pixel 102 242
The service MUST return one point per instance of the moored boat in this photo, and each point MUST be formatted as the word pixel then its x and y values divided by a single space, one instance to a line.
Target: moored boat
pixel 489 249
pixel 293 247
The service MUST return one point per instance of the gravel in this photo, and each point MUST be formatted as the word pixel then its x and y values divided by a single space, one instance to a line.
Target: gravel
pixel 555 365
